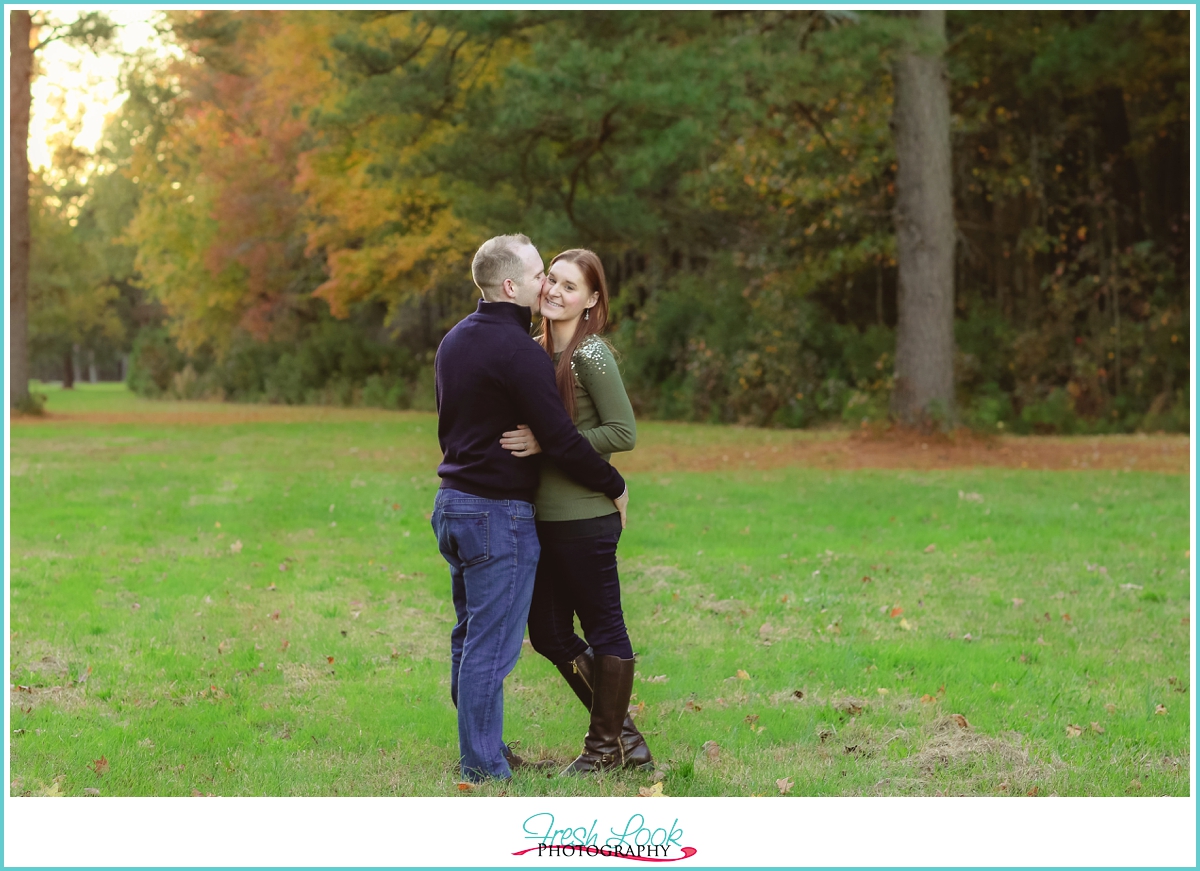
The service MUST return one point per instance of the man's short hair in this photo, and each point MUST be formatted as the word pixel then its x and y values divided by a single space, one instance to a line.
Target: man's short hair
pixel 497 259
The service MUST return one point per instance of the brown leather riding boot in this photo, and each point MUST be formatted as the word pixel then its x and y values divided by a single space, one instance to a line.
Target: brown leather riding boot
pixel 580 676
pixel 611 689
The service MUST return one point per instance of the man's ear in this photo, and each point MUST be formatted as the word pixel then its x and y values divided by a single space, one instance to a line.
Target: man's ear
pixel 508 289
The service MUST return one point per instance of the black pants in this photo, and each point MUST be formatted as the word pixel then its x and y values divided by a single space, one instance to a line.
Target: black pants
pixel 577 576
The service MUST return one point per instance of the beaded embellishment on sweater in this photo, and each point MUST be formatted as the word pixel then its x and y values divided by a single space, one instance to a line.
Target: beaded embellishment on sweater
pixel 592 350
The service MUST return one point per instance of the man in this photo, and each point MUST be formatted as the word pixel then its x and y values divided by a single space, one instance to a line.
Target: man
pixel 491 376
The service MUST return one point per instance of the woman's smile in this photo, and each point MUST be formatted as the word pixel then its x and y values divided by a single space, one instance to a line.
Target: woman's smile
pixel 565 293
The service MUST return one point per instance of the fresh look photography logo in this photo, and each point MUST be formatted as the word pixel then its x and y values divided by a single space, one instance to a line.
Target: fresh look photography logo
pixel 635 839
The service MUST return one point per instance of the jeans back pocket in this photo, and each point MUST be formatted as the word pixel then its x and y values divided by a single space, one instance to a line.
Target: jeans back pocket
pixel 468 533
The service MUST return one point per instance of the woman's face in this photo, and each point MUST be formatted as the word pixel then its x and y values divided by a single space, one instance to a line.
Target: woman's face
pixel 566 294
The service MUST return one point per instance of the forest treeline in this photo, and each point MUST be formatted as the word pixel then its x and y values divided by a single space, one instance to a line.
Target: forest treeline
pixel 286 211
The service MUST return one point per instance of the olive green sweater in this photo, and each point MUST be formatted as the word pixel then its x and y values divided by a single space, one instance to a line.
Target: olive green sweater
pixel 605 418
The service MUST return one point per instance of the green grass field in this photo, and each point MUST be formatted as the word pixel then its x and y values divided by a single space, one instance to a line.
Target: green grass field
pixel 259 608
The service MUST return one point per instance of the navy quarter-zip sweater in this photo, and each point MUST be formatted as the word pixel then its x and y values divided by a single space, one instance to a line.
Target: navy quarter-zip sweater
pixel 491 376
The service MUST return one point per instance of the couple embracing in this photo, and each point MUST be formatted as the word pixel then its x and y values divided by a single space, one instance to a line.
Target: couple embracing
pixel 529 511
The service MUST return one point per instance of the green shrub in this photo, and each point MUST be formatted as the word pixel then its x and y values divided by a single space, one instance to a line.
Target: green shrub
pixel 153 363
pixel 383 391
pixel 1053 414
pixel 424 389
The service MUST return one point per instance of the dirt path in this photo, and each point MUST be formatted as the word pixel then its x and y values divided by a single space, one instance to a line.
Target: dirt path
pixel 1170 454
pixel 692 447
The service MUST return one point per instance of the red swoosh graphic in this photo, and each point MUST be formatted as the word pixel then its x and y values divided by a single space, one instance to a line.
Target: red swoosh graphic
pixel 688 852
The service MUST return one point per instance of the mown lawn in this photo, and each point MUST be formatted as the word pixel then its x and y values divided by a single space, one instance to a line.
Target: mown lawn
pixel 259 608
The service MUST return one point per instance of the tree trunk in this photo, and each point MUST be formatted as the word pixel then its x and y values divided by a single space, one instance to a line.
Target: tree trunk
pixel 68 362
pixel 1122 174
pixel 924 219
pixel 20 70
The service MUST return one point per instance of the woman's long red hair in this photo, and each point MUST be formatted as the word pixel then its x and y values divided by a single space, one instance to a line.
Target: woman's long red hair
pixel 593 273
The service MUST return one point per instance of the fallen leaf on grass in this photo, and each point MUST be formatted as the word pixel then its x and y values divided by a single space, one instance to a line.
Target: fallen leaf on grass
pixel 798 694
pixel 100 766
pixel 54 790
pixel 742 675
pixel 712 750
pixel 1097 728
pixel 1002 786
pixel 658 678
pixel 784 784
pixel 655 791
pixel 283 567
pixel 236 547
pixel 1111 708
pixel 198 794
pixel 1134 785
pixel 968 637
pixel 1066 618
pixel 285 645
pixel 135 607
pixel 927 699
pixel 896 611
pixel 1042 642
pixel 465 787
pixel 1073 731
pixel 1017 603
pixel 1160 709
pixel 960 721
pixel 691 706
pixel 329 659
pixel 637 710
pixel 90 790
pixel 395 653
pixel 1033 791
pixel 751 719
pixel 905 625
pixel 395 506
pixel 932 548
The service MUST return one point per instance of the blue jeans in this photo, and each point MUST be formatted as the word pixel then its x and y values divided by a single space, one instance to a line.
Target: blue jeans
pixel 492 548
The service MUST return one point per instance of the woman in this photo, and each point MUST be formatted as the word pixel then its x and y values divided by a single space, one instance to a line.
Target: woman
pixel 579 528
